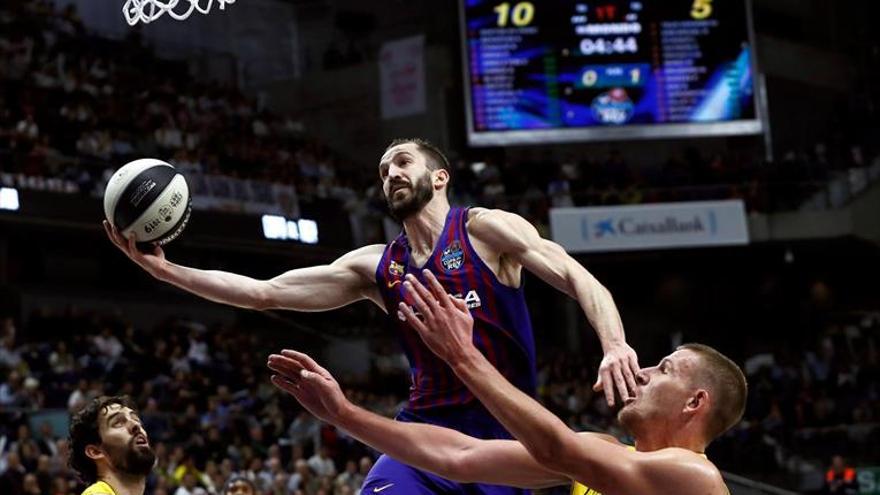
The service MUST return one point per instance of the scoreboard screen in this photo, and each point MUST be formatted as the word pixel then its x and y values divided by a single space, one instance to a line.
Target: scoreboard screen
pixel 560 70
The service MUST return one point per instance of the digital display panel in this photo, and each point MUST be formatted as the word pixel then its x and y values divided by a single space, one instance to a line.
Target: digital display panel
pixel 555 70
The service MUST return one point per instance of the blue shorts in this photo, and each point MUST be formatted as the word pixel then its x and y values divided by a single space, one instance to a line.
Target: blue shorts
pixel 392 477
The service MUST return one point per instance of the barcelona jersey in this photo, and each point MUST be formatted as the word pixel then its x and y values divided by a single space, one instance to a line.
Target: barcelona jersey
pixel 502 327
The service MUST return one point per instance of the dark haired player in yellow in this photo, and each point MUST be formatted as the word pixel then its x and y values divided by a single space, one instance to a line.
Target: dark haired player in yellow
pixel 684 402
pixel 109 448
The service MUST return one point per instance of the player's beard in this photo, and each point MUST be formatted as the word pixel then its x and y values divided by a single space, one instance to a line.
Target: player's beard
pixel 133 460
pixel 421 194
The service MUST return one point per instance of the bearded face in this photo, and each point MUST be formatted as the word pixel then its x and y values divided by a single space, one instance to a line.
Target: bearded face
pixel 404 198
pixel 135 458
pixel 124 442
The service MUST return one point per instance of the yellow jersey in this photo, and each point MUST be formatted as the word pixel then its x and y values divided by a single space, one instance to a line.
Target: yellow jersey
pixel 99 488
pixel 579 489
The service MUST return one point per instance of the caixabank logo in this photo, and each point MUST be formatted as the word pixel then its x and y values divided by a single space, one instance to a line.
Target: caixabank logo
pixel 627 226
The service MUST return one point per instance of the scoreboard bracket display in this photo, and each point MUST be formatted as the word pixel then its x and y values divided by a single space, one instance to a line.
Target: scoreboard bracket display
pixel 549 71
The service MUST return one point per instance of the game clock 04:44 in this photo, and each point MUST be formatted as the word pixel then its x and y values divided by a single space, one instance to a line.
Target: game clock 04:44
pixel 609 46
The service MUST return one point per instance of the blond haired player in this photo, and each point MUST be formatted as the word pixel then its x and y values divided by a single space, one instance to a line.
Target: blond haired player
pixel 684 402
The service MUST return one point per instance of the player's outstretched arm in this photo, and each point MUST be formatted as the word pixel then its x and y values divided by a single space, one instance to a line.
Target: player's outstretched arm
pixel 515 237
pixel 319 288
pixel 443 451
pixel 446 327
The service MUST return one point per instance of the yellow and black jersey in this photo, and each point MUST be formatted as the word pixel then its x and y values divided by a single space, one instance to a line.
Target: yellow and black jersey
pixel 99 488
pixel 579 489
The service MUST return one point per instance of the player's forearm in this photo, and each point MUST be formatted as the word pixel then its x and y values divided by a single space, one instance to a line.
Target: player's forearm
pixel 598 305
pixel 427 447
pixel 449 453
pixel 215 285
pixel 539 430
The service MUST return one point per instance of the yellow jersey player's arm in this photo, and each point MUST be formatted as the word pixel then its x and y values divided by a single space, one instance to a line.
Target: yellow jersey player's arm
pixel 604 466
pixel 443 451
pixel 350 278
pixel 520 244
pixel 449 453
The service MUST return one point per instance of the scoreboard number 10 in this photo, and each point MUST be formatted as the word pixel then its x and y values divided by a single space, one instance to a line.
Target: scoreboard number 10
pixel 520 15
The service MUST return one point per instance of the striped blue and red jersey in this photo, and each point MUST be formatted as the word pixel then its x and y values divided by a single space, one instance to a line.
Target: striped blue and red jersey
pixel 502 327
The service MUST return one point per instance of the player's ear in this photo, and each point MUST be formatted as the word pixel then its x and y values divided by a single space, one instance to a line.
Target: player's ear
pixel 94 452
pixel 441 178
pixel 697 401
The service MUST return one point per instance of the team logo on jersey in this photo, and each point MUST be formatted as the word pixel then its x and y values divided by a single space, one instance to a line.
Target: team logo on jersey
pixel 452 257
pixel 471 298
pixel 396 270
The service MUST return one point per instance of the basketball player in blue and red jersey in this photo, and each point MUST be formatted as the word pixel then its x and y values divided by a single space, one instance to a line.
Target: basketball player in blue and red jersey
pixel 477 254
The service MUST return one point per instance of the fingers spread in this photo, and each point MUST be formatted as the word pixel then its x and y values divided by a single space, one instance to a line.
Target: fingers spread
pixel 459 304
pixel 620 383
pixel 412 319
pixel 284 384
pixel 634 364
pixel 436 289
pixel 630 379
pixel 608 387
pixel 417 300
pixel 289 368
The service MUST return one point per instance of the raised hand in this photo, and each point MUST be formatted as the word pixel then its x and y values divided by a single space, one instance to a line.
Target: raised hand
pixel 313 386
pixel 618 370
pixel 151 262
pixel 446 325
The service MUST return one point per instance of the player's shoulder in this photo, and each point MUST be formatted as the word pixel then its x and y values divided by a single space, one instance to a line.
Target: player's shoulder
pixel 362 260
pixel 605 437
pixel 491 219
pixel 369 251
pixel 698 467
pixel 478 213
pixel 99 488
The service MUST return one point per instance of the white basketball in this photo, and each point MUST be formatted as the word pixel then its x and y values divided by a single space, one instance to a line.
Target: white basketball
pixel 148 198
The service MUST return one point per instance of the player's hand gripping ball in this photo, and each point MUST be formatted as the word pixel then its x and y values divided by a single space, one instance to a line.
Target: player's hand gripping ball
pixel 148 198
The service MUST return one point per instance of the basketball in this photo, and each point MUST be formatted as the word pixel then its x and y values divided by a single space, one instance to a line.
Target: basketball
pixel 148 198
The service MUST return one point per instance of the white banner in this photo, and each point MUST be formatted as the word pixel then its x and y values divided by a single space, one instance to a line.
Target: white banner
pixel 651 226
pixel 402 77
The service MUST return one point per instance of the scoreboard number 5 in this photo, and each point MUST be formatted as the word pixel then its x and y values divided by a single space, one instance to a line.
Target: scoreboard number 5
pixel 520 15
pixel 701 9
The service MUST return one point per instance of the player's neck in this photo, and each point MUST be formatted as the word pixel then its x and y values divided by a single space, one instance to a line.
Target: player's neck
pixel 425 227
pixel 125 484
pixel 665 440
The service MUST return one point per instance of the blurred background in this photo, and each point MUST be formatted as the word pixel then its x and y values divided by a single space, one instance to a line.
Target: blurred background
pixel 714 164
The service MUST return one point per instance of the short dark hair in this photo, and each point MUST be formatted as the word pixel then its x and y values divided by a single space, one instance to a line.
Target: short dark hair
pixel 435 158
pixel 235 479
pixel 84 431
pixel 728 387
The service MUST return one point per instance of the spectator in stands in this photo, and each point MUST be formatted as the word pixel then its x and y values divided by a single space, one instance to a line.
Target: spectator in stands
pixel 321 463
pixel 350 477
pixel 841 479
pixel 239 485
pixel 12 478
